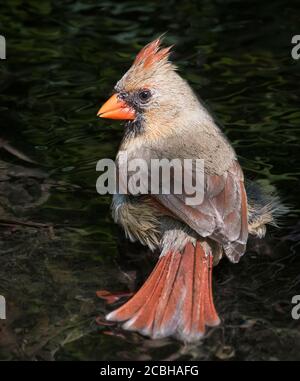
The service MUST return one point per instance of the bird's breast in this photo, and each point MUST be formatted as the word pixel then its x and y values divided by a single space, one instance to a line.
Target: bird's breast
pixel 138 218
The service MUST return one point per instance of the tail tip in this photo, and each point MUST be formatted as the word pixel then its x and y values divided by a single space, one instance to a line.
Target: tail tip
pixel 111 316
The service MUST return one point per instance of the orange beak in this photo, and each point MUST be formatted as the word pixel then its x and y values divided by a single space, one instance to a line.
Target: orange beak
pixel 115 108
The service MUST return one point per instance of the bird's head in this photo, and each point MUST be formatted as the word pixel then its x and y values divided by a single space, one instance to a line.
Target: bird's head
pixel 151 95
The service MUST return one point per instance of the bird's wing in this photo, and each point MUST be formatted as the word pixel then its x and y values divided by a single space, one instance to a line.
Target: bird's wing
pixel 221 216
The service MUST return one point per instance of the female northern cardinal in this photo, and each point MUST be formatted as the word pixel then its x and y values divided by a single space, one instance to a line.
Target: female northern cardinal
pixel 166 120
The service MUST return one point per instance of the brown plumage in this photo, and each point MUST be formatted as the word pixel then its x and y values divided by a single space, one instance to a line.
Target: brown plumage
pixel 166 120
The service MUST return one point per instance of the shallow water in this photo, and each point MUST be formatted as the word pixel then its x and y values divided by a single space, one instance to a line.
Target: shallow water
pixel 63 60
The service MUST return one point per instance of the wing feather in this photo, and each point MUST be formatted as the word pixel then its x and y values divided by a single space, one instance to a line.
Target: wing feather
pixel 221 216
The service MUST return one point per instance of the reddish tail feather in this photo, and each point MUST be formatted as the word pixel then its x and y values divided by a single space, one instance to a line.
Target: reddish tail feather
pixel 176 300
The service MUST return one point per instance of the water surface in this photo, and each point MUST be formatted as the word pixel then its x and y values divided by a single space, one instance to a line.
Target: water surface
pixel 63 59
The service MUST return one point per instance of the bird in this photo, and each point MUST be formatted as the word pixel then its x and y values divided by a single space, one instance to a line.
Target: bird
pixel 164 118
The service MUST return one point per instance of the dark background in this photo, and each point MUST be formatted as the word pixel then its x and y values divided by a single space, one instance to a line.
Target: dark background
pixel 63 59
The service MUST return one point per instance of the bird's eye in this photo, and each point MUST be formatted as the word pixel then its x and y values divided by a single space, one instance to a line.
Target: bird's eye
pixel 145 95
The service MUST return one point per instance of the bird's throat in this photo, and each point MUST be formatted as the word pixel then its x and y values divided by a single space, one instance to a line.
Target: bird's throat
pixel 134 128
